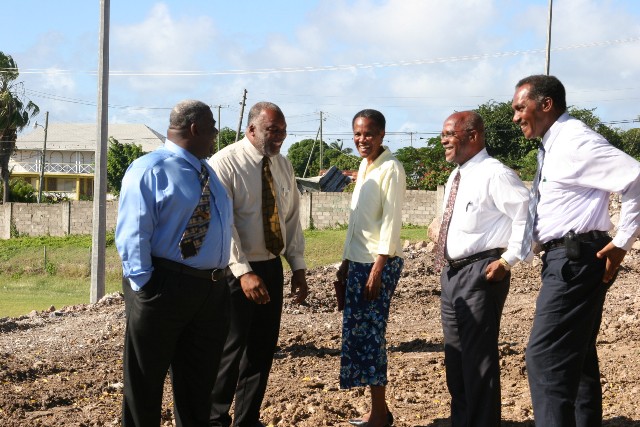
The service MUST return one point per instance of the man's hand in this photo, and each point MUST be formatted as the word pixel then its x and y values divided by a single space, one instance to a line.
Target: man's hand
pixel 495 271
pixel 614 256
pixel 299 286
pixel 254 288
pixel 434 229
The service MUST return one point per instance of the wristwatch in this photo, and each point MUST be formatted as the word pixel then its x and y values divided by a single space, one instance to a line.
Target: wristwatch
pixel 505 264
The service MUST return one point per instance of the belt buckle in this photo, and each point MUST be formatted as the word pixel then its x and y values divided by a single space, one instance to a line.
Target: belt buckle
pixel 217 274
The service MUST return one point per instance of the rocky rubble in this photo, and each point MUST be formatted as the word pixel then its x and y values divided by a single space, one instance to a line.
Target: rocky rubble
pixel 63 367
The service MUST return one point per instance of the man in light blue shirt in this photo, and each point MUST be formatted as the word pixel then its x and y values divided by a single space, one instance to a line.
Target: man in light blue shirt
pixel 174 237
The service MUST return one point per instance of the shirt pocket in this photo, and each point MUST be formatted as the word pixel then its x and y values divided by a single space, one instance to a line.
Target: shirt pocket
pixel 284 199
pixel 470 219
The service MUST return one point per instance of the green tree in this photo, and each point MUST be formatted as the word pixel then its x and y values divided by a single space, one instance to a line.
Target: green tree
pixel 631 142
pixel 15 114
pixel 339 145
pixel 426 167
pixel 345 161
pixel 21 191
pixel 227 136
pixel 503 138
pixel 119 157
pixel 299 153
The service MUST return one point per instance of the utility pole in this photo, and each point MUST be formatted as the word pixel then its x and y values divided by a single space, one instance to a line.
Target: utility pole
pixel 43 162
pixel 306 168
pixel 547 65
pixel 321 146
pixel 219 128
pixel 242 104
pixel 99 232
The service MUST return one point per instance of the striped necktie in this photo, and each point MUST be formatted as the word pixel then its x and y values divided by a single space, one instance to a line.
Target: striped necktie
pixel 527 239
pixel 270 219
pixel 198 224
pixel 444 227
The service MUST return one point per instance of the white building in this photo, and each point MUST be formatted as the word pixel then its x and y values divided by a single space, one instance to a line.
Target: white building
pixel 69 162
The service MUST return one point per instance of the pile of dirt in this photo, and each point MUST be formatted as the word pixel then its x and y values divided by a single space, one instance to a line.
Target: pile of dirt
pixel 63 367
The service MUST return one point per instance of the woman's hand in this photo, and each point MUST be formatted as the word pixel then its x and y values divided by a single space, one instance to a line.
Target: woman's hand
pixel 374 282
pixel 343 270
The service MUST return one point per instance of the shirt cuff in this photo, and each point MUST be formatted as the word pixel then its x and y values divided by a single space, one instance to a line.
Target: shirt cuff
pixel 296 263
pixel 623 240
pixel 238 269
pixel 511 258
pixel 139 281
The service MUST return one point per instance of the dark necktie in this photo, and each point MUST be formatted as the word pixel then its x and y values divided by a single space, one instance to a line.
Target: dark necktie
pixel 270 219
pixel 527 238
pixel 199 222
pixel 446 220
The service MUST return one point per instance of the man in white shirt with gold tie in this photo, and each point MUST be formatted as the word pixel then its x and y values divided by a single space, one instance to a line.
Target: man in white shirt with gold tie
pixel 253 170
pixel 580 261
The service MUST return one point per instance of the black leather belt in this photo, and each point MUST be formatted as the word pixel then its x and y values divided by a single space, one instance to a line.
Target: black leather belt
pixel 462 262
pixel 589 236
pixel 215 275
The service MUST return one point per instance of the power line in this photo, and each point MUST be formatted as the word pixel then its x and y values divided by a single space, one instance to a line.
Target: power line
pixel 343 67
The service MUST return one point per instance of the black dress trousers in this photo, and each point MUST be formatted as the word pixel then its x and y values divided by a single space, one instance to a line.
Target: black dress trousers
pixel 177 323
pixel 248 352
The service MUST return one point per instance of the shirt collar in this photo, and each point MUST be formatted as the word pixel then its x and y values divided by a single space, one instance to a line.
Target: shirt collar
pixel 475 160
pixel 384 156
pixel 551 134
pixel 181 152
pixel 253 153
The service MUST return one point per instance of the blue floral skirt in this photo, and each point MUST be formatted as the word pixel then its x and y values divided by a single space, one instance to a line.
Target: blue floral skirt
pixel 364 324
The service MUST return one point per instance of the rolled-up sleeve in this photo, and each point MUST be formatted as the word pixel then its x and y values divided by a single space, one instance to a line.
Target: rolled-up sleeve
pixel 393 187
pixel 137 217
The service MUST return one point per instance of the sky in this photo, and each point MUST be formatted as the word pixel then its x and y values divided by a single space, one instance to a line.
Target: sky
pixel 416 61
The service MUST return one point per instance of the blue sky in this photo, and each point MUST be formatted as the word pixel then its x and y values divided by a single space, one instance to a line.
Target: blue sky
pixel 415 60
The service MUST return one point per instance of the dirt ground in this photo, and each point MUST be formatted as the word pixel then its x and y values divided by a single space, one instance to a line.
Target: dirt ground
pixel 63 367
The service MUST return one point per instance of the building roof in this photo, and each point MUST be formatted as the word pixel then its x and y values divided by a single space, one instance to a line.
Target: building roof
pixel 82 137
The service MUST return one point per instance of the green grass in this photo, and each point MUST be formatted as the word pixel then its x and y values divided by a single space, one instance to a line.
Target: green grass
pixel 27 283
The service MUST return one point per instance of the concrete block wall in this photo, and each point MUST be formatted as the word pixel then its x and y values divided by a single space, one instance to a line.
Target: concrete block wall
pixel 60 219
pixel 76 217
pixel 331 209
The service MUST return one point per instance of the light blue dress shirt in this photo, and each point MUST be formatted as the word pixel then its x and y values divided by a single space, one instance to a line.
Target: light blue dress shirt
pixel 160 191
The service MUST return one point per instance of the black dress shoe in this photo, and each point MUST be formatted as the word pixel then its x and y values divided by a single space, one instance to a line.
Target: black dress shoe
pixel 359 422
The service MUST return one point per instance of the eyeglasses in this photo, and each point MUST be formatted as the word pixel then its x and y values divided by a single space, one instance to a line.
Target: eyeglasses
pixel 452 133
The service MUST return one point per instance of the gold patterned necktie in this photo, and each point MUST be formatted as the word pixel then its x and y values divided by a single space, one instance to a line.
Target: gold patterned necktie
pixel 270 219
pixel 444 227
pixel 199 222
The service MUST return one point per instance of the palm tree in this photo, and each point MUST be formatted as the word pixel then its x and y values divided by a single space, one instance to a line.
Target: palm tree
pixel 338 144
pixel 14 116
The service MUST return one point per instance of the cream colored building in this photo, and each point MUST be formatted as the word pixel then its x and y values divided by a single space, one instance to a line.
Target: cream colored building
pixel 69 164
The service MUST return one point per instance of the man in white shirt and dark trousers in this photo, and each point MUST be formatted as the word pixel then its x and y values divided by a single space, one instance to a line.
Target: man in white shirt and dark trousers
pixel 479 241
pixel 266 215
pixel 579 172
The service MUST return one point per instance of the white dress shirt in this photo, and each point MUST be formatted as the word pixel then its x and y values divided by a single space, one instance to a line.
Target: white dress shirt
pixel 580 171
pixel 239 167
pixel 490 209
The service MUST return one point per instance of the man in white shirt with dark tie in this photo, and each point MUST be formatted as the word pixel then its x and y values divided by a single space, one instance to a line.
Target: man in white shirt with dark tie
pixel 580 261
pixel 479 241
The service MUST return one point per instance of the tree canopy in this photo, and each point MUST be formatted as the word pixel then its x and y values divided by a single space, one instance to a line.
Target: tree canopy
pixel 15 115
pixel 119 157
pixel 227 136
pixel 305 157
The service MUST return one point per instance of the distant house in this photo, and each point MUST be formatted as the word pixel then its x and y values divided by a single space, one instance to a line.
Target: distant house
pixel 69 163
